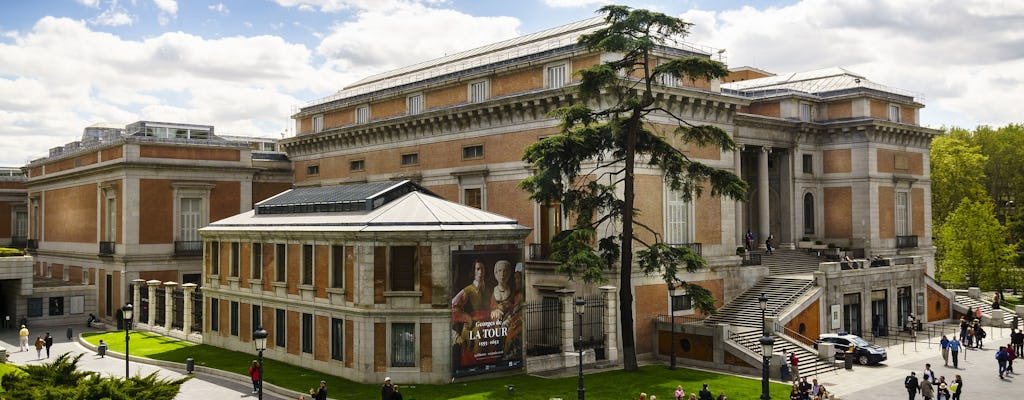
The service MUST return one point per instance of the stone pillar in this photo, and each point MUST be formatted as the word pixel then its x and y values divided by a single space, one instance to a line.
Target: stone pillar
pixel 66 274
pixel 152 298
pixel 738 217
pixel 568 325
pixel 186 320
pixel 764 229
pixel 611 322
pixel 974 292
pixel 169 304
pixel 136 300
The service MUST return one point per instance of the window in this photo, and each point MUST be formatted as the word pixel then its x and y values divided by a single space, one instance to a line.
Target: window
pixel 307 333
pixel 190 218
pixel 337 266
pixel 902 214
pixel 475 151
pixel 235 258
pixel 550 225
pixel 410 159
pixel 257 318
pixel 478 91
pixel 473 197
pixel 555 76
pixel 805 112
pixel 668 79
pixel 56 306
pixel 681 302
pixel 110 233
pixel 904 300
pixel 280 327
pixel 312 170
pixel 35 307
pixel 356 165
pixel 337 339
pixel 318 123
pixel 808 214
pixel 894 113
pixel 362 114
pixel 677 218
pixel 808 161
pixel 233 311
pixel 280 261
pixel 214 258
pixel 307 264
pixel 214 314
pixel 21 224
pixel 257 260
pixel 403 345
pixel 414 104
pixel 191 212
pixel 402 268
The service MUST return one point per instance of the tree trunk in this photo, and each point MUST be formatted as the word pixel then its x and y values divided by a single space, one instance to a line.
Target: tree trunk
pixel 626 268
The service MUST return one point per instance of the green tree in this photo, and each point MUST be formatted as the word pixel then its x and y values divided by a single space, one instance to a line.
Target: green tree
pixel 957 170
pixel 61 379
pixel 596 153
pixel 974 249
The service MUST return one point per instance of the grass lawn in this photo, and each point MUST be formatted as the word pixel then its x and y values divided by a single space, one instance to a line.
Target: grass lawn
pixel 612 384
pixel 1012 300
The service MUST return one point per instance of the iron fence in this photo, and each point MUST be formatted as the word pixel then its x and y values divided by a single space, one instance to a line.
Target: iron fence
pixel 143 309
pixel 178 319
pixel 544 327
pixel 197 310
pixel 593 325
pixel 161 317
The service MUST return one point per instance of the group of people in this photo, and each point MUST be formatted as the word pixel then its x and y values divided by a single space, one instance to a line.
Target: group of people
pixel 930 387
pixel 40 343
pixel 680 394
pixel 971 333
pixel 803 390
pixel 769 242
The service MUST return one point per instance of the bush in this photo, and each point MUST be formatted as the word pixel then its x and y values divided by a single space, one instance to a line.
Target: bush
pixel 818 242
pixel 805 239
pixel 9 252
pixel 741 250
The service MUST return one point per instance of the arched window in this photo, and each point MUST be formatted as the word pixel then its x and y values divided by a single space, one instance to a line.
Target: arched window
pixel 808 213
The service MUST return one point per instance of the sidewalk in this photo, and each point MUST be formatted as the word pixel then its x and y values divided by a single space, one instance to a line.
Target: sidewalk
pixel 201 386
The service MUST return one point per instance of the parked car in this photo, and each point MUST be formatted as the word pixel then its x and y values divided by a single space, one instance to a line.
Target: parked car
pixel 864 353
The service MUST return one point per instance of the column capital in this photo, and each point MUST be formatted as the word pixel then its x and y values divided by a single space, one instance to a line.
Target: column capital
pixel 189 287
pixel 766 149
pixel 170 283
pixel 153 282
pixel 565 292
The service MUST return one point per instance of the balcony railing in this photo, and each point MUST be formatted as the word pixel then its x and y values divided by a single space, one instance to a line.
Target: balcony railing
pixel 696 247
pixel 906 242
pixel 106 248
pixel 752 258
pixel 188 247
pixel 32 244
pixel 540 251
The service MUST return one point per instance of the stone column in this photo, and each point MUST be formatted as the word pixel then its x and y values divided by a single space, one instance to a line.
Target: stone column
pixel 186 320
pixel 169 304
pixel 741 229
pixel 762 196
pixel 611 322
pixel 568 325
pixel 152 299
pixel 136 300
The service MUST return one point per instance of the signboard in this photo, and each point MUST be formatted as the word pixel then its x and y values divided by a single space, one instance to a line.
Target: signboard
pixel 835 316
pixel 487 311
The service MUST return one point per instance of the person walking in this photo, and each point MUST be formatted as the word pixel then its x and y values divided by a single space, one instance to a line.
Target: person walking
pixel 956 387
pixel 942 389
pixel 387 389
pixel 979 334
pixel 254 374
pixel 102 349
pixel 23 338
pixel 912 385
pixel 40 343
pixel 1010 356
pixel 927 391
pixel 1017 339
pixel 794 365
pixel 1001 360
pixel 963 327
pixel 944 343
pixel 49 343
pixel 768 244
pixel 954 348
pixel 970 336
pixel 928 375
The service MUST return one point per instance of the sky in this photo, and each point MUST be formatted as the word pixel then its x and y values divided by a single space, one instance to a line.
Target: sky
pixel 245 66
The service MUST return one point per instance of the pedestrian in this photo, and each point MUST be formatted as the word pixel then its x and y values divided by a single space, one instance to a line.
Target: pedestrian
pixel 768 244
pixel 70 334
pixel 970 336
pixel 995 302
pixel 944 343
pixel 954 348
pixel 963 328
pixel 942 389
pixel 387 389
pixel 680 393
pixel 749 240
pixel 928 375
pixel 396 395
pixel 956 387
pixel 49 343
pixel 88 323
pixel 1001 360
pixel 23 338
pixel 40 343
pixel 979 334
pixel 927 391
pixel 254 374
pixel 1017 339
pixel 319 394
pixel 910 326
pixel 1010 356
pixel 705 394
pixel 102 349
pixel 721 396
pixel 794 365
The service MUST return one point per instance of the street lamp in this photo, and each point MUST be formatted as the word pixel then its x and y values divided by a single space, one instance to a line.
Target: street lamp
pixel 126 315
pixel 767 342
pixel 259 339
pixel 580 305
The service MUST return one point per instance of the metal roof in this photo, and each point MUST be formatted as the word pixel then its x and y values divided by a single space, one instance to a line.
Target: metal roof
pixel 823 82
pixel 349 197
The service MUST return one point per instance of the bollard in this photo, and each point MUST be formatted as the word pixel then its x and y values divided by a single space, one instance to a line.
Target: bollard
pixel 190 365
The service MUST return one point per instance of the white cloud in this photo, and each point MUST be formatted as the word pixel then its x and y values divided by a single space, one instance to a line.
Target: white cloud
pixel 167 6
pixel 113 18
pixel 574 3
pixel 959 54
pixel 331 6
pixel 89 3
pixel 220 8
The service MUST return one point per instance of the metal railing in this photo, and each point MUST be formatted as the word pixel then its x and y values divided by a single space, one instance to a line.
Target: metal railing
pixel 906 242
pixel 188 247
pixel 829 363
pixel 543 327
pixel 106 248
pixel 540 251
pixel 752 258
pixel 696 247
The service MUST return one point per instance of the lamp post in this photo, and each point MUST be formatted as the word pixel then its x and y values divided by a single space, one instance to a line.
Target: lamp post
pixel 126 315
pixel 767 342
pixel 259 339
pixel 579 305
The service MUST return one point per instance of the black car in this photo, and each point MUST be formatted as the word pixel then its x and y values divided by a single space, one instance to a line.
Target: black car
pixel 864 353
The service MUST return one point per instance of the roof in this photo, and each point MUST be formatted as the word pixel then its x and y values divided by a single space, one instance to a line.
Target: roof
pixel 820 82
pixel 413 209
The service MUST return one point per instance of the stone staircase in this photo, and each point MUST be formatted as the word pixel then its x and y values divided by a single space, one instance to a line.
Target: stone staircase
pixel 791 262
pixel 810 364
pixel 745 311
pixel 985 303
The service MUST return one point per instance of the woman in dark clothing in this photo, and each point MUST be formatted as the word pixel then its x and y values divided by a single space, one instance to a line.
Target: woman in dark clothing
pixel 395 395
pixel 957 387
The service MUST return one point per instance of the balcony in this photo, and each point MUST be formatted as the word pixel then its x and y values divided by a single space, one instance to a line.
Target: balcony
pixel 188 248
pixel 540 251
pixel 906 242
pixel 106 248
pixel 696 247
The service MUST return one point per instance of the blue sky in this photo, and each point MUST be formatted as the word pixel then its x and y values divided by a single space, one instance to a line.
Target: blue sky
pixel 244 65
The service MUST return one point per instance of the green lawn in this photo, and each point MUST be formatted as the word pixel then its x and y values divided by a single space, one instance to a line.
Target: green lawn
pixel 613 384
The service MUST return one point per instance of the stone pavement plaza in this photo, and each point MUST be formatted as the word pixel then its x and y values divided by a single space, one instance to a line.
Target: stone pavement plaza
pixel 202 386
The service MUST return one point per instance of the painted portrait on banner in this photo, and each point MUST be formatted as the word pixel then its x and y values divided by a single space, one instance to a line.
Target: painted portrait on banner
pixel 487 311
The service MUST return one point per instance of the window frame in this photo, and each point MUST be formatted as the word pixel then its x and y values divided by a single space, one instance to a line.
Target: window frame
pixel 905 228
pixel 357 165
pixel 215 258
pixel 214 314
pixel 256 317
pixel 549 81
pixel 235 261
pixel 313 170
pixel 415 107
pixel 256 260
pixel 672 200
pixel 233 317
pixel 337 270
pixel 412 360
pixel 362 114
pixel 477 151
pixel 308 327
pixel 337 339
pixel 280 327
pixel 190 190
pixel 410 159
pixel 894 112
pixel 809 115
pixel 807 163
pixel 307 264
pixel 396 273
pixel 484 93
pixel 280 262
pixel 317 123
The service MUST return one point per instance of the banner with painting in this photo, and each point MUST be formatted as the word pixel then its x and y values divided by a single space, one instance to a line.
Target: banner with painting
pixel 487 311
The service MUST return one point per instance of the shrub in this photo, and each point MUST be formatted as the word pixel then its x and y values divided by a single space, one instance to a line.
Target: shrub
pixel 9 252
pixel 741 250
